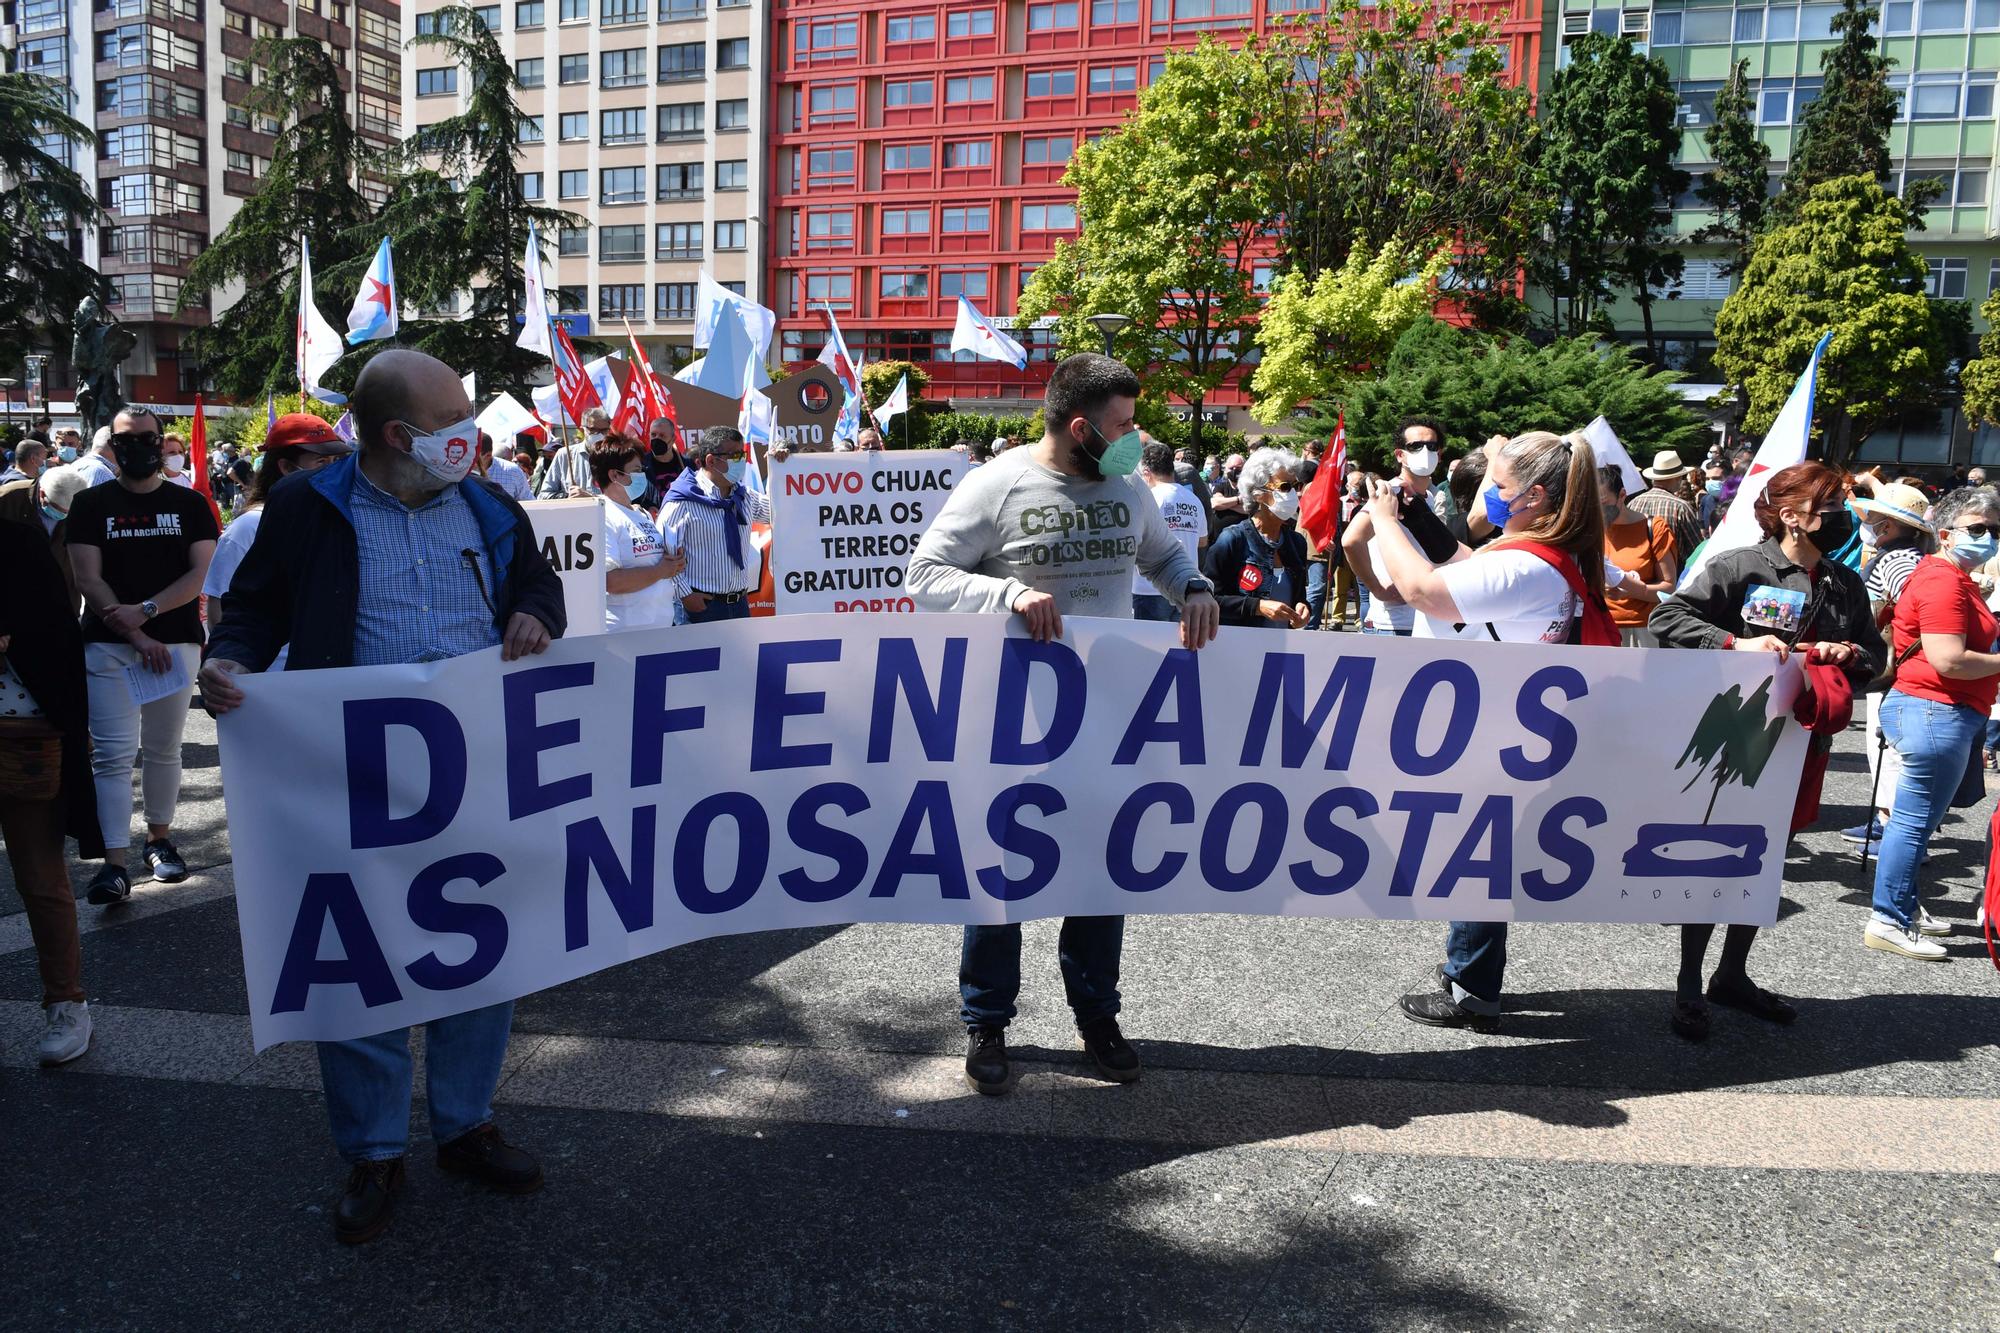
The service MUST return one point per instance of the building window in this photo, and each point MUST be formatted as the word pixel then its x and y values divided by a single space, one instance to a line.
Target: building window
pixel 621 185
pixel 574 69
pixel 574 184
pixel 531 185
pixel 911 28
pixel 677 240
pixel 908 92
pixel 682 62
pixel 678 180
pixel 1048 217
pixel 1972 187
pixel 906 222
pixel 732 53
pixel 733 114
pixel 833 105
pixel 973 153
pixel 572 298
pixel 830 167
pixel 572 126
pixel 437 82
pixel 575 11
pixel 488 17
pixel 1946 279
pixel 529 73
pixel 622 69
pixel 427 24
pixel 1200 11
pixel 1052 17
pixel 531 130
pixel 1114 79
pixel 963 88
pixel 1046 151
pixel 733 235
pixel 627 125
pixel 911 286
pixel 831 289
pixel 733 174
pixel 969 283
pixel 680 120
pixel 906 157
pixel 960 220
pixel 1051 83
pixel 674 300
pixel 1110 13
pixel 612 13
pixel 969 23
pixel 826 40
pixel 622 245
pixel 674 11
pixel 573 241
pixel 621 300
pixel 529 14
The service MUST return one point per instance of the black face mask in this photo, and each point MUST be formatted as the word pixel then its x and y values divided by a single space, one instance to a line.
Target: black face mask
pixel 1835 530
pixel 137 461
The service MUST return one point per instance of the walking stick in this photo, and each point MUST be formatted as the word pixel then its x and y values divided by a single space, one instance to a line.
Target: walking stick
pixel 1874 790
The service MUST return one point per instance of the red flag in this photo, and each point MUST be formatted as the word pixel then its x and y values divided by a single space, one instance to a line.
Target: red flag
pixel 577 393
pixel 1319 507
pixel 645 393
pixel 198 459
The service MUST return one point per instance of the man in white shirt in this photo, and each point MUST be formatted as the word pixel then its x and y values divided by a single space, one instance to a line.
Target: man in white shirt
pixel 1185 519
pixel 706 516
pixel 1419 440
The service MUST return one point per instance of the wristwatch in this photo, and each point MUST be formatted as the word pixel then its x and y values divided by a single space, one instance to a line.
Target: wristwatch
pixel 150 607
pixel 1196 585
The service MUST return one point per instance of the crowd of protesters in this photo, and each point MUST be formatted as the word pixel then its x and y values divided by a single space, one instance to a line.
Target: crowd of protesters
pixel 406 545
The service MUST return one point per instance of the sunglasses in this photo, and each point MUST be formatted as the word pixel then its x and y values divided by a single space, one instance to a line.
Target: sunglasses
pixel 1981 530
pixel 139 439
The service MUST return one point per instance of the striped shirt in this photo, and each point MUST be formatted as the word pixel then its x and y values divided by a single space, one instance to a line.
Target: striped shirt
pixel 419 601
pixel 701 533
pixel 1682 521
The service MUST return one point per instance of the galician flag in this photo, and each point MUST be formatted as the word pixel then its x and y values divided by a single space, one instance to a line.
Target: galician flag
pixel 847 426
pixel 374 313
pixel 977 334
pixel 319 346
pixel 895 404
pixel 1784 444
pixel 535 300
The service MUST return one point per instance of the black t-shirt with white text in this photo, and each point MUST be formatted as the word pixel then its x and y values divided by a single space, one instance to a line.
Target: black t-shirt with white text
pixel 144 541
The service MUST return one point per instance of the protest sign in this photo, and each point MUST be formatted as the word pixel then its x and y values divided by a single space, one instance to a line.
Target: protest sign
pixel 483 830
pixel 845 525
pixel 571 533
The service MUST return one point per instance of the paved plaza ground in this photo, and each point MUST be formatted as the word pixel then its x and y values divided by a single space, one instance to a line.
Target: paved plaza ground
pixel 770 1132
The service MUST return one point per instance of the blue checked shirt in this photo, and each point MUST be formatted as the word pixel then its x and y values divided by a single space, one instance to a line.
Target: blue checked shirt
pixel 419 600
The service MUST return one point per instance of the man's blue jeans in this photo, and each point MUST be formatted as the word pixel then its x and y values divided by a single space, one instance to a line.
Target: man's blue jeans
pixel 1316 594
pixel 1475 957
pixel 714 611
pixel 1152 606
pixel 989 970
pixel 367 1082
pixel 1936 742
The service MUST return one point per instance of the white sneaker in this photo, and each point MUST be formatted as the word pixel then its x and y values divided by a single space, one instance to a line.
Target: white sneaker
pixel 1931 926
pixel 68 1033
pixel 1908 943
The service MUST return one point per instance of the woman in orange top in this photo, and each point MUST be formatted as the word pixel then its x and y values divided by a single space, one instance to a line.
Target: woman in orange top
pixel 1640 546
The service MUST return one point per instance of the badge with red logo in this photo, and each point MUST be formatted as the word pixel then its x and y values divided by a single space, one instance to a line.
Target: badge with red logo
pixel 1251 579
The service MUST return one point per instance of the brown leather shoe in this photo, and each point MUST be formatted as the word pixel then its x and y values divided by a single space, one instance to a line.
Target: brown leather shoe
pixel 368 1202
pixel 486 1157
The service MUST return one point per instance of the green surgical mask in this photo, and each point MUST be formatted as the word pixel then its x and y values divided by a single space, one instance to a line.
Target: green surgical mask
pixel 1121 455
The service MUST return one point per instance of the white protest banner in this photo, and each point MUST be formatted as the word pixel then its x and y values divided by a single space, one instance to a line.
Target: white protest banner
pixel 480 830
pixel 843 526
pixel 572 536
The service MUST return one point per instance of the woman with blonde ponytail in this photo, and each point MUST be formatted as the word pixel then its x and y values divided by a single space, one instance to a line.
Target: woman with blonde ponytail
pixel 1541 581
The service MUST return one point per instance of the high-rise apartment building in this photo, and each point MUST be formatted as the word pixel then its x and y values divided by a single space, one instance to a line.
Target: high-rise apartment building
pixel 164 84
pixel 647 116
pixel 917 154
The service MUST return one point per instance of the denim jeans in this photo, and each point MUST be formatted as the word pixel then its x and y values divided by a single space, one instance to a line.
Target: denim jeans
pixel 1993 733
pixel 367 1082
pixel 989 970
pixel 1316 594
pixel 1152 606
pixel 1475 957
pixel 1936 742
pixel 714 611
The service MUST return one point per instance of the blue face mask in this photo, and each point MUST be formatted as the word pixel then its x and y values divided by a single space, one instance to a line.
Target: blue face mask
pixel 53 514
pixel 1715 486
pixel 1498 511
pixel 1976 550
pixel 736 473
pixel 67 454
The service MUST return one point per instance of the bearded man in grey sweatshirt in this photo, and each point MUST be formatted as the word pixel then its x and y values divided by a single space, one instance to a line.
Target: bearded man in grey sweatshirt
pixel 1056 529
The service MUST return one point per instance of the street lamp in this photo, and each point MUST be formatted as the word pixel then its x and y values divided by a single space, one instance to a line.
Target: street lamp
pixel 7 386
pixel 1108 325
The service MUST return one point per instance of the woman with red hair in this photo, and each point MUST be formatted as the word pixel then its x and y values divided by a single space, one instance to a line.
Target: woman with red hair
pixel 1781 595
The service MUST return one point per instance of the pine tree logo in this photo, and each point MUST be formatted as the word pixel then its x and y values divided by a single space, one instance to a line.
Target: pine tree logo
pixel 1733 741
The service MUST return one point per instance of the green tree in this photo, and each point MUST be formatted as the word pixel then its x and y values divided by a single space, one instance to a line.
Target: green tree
pixel 879 380
pixel 1172 207
pixel 1610 134
pixel 1395 122
pixel 312 190
pixel 1980 379
pixel 1737 184
pixel 1481 385
pixel 41 281
pixel 1315 334
pixel 1845 131
pixel 1841 263
pixel 461 226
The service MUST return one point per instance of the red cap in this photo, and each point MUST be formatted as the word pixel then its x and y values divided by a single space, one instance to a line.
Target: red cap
pixel 303 430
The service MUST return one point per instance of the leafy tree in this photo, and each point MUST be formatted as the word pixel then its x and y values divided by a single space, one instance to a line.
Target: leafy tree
pixel 1845 131
pixel 1395 122
pixel 41 282
pixel 1610 134
pixel 1172 207
pixel 1481 385
pixel 462 226
pixel 248 432
pixel 1737 186
pixel 1980 379
pixel 1316 333
pixel 313 190
pixel 879 380
pixel 1840 263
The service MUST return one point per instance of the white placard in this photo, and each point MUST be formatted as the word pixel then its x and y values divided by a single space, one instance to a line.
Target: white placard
pixel 843 526
pixel 572 536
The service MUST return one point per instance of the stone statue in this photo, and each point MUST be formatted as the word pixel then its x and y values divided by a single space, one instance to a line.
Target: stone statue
pixel 100 347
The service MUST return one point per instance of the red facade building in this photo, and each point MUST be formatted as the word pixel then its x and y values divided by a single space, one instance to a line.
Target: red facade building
pixel 918 151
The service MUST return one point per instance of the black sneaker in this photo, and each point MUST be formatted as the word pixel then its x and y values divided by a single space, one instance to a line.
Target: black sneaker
pixel 368 1202
pixel 165 861
pixel 986 1066
pixel 492 1161
pixel 110 886
pixel 1437 1009
pixel 1109 1051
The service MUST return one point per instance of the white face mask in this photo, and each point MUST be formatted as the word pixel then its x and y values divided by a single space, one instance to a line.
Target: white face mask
pixel 448 454
pixel 175 462
pixel 1285 504
pixel 1420 462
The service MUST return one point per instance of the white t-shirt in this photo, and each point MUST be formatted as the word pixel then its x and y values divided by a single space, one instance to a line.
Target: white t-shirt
pixel 180 478
pixel 1185 520
pixel 230 548
pixel 1523 596
pixel 632 542
pixel 1401 617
